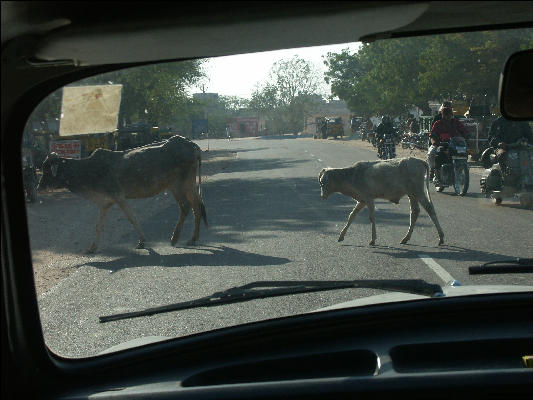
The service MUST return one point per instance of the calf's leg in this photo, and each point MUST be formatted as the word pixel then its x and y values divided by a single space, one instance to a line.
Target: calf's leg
pixel 428 206
pixel 415 211
pixel 358 207
pixel 371 210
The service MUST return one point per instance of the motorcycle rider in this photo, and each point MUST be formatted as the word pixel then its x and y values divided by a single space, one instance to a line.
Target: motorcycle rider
pixel 384 128
pixel 438 116
pixel 504 132
pixel 441 132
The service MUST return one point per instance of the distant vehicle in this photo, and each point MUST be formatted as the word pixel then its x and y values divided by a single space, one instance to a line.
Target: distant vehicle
pixel 515 181
pixel 328 127
pixel 477 139
pixel 356 124
pixel 335 127
pixel 136 135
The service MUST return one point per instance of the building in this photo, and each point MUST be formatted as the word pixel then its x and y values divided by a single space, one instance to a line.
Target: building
pixel 243 126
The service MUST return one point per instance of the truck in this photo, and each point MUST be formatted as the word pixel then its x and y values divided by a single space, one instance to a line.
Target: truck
pixel 328 127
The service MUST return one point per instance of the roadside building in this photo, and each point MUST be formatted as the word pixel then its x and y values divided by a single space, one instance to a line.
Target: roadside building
pixel 243 126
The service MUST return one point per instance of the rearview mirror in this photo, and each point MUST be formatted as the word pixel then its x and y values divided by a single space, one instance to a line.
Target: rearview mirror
pixel 516 87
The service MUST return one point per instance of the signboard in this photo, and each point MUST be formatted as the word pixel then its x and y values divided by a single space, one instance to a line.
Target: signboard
pixel 66 148
pixel 89 109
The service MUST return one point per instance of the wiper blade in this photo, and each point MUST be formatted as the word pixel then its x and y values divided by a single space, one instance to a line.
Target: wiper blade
pixel 264 289
pixel 512 266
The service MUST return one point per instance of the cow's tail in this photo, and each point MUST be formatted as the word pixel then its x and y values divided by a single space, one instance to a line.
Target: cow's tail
pixel 202 207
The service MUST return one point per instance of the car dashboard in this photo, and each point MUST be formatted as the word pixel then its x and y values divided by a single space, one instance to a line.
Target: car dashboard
pixel 438 348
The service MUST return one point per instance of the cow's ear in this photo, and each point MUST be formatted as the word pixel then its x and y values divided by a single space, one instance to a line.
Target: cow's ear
pixel 54 168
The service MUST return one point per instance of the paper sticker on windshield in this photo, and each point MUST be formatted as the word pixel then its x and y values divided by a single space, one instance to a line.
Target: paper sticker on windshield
pixel 89 109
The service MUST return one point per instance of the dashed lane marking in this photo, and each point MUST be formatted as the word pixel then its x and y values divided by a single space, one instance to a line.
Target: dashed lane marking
pixel 441 272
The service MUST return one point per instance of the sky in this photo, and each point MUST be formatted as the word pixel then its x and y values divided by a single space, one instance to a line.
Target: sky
pixel 238 75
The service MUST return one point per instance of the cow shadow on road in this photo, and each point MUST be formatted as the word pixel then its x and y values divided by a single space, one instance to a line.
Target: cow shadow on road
pixel 444 252
pixel 203 256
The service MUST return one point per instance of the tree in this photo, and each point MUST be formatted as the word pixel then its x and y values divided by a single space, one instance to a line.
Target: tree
pixel 153 93
pixel 387 77
pixel 289 94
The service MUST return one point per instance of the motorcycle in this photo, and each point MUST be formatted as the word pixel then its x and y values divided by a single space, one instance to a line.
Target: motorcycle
pixel 405 141
pixel 364 134
pixel 411 140
pixel 454 170
pixel 517 178
pixel 372 138
pixel 387 147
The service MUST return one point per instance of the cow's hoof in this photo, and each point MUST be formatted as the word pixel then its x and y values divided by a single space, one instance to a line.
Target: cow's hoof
pixel 372 243
pixel 173 241
pixel 341 238
pixel 91 250
pixel 404 241
pixel 140 245
pixel 441 242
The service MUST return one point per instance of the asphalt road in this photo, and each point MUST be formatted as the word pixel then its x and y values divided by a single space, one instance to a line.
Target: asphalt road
pixel 267 222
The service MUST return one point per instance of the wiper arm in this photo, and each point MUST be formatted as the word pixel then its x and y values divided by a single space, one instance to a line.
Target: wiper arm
pixel 264 289
pixel 513 266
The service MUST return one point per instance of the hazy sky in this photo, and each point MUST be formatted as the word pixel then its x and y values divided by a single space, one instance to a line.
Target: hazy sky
pixel 238 75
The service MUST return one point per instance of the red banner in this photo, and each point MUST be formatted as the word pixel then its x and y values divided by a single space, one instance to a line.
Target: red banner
pixel 66 148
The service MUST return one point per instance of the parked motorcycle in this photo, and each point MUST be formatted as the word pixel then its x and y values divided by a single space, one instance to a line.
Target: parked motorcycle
pixel 454 171
pixel 387 147
pixel 414 141
pixel 405 141
pixel 372 138
pixel 517 178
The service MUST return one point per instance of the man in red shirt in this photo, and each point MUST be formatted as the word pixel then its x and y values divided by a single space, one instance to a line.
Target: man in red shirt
pixel 442 131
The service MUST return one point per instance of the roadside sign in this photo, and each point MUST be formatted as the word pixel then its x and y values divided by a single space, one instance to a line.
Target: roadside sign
pixel 66 148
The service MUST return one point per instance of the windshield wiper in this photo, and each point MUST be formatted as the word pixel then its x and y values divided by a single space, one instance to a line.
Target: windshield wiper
pixel 264 289
pixel 512 266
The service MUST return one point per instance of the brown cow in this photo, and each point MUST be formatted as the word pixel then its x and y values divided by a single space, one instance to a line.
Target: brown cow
pixel 108 177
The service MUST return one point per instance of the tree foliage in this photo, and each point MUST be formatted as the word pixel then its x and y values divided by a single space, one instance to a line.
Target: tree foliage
pixel 154 94
pixel 387 77
pixel 292 90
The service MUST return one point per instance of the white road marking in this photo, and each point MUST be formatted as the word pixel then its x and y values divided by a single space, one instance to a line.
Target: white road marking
pixel 441 272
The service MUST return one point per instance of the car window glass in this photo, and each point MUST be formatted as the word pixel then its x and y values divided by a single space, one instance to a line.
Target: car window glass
pixel 170 183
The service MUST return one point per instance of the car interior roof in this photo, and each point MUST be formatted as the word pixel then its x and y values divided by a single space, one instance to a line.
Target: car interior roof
pixel 90 33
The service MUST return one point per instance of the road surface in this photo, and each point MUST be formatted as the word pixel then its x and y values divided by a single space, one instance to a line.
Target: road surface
pixel 267 222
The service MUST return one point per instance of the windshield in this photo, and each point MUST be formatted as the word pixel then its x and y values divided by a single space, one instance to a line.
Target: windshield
pixel 172 183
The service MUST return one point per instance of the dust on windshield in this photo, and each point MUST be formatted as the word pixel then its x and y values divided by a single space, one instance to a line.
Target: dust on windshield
pixel 178 182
